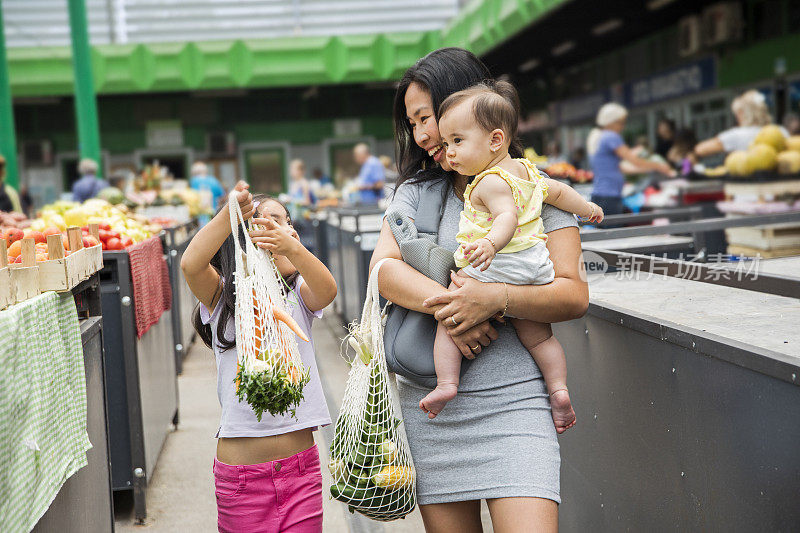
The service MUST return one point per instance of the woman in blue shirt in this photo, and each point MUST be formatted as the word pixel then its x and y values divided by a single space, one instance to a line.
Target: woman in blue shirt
pixel 606 150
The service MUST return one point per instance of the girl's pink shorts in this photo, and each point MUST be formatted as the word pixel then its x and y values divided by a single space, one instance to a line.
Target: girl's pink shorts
pixel 278 496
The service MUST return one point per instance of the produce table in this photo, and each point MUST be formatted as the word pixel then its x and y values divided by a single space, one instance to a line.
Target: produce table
pixel 141 379
pixel 43 416
pixel 688 403
pixel 90 487
pixel 176 239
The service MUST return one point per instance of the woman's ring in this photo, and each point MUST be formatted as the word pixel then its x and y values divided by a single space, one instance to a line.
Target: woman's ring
pixel 475 348
pixel 453 320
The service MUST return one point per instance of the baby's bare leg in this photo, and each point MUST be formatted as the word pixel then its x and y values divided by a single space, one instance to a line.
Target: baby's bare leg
pixel 447 361
pixel 549 356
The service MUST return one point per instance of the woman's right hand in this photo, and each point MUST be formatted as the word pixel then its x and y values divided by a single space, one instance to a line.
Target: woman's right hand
pixel 472 341
pixel 245 200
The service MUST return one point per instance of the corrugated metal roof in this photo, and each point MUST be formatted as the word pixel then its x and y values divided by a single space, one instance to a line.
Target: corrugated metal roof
pixel 38 23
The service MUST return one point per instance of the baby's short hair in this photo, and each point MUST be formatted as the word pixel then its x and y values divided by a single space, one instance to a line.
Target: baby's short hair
pixel 495 105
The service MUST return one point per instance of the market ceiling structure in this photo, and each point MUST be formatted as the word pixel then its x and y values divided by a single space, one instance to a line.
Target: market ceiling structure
pixel 296 61
pixel 566 36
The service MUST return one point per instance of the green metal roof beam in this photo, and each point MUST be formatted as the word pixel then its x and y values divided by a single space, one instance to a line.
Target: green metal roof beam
pixel 297 61
pixel 222 64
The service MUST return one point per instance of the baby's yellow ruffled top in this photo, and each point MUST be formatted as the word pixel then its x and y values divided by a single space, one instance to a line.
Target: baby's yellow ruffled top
pixel 529 194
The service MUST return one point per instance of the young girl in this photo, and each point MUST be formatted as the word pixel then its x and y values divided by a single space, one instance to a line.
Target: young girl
pixel 266 474
pixel 501 236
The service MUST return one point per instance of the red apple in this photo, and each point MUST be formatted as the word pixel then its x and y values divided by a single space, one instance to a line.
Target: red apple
pixel 38 236
pixel 12 235
pixel 114 244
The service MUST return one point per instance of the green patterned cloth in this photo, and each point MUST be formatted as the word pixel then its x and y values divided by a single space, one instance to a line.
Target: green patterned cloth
pixel 43 439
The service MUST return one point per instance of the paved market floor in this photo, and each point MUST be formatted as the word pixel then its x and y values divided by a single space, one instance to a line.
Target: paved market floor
pixel 180 496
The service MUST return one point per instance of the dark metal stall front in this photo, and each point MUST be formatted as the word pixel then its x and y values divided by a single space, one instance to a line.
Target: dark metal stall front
pixel 175 241
pixel 687 393
pixel 357 231
pixel 142 387
pixel 84 502
pixel 322 243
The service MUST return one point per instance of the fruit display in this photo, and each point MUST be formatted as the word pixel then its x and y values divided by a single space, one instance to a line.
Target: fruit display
pixel 13 220
pixel 36 262
pixel 118 228
pixel 565 170
pixel 770 153
pixel 533 157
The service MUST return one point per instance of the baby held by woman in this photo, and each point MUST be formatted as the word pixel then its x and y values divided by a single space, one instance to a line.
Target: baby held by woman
pixel 501 236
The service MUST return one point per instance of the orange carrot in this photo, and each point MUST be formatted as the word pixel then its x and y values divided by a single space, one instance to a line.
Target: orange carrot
pixel 237 374
pixel 284 317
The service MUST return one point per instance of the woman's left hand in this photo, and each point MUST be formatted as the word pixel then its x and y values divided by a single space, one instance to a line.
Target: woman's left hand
pixel 470 303
pixel 275 238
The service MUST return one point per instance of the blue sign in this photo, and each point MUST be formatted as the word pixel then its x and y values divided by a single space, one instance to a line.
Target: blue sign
pixel 673 83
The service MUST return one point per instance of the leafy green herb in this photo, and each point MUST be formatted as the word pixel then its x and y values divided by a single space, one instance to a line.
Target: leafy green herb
pixel 271 391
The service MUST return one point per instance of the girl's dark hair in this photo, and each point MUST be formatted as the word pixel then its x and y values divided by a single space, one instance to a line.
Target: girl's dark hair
pixel 224 262
pixel 494 106
pixel 442 73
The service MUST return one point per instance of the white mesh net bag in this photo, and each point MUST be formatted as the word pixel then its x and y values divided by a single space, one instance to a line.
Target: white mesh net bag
pixel 270 374
pixel 370 461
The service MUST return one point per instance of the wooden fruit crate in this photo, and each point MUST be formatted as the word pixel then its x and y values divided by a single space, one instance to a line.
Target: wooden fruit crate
pixel 5 277
pixel 24 277
pixel 62 272
pixel 94 254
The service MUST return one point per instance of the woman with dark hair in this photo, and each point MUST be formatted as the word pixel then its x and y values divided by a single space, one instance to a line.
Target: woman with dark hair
pixel 496 440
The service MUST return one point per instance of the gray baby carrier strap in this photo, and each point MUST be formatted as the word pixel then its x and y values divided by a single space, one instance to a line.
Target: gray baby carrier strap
pixel 409 335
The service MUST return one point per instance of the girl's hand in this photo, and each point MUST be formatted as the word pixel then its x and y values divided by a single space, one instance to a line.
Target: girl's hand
pixel 245 200
pixel 480 252
pixel 275 238
pixel 471 303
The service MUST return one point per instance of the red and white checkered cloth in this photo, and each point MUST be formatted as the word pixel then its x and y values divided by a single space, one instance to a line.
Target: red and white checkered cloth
pixel 152 294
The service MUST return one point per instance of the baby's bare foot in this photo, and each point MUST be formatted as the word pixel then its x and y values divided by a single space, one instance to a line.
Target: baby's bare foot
pixel 561 408
pixel 435 401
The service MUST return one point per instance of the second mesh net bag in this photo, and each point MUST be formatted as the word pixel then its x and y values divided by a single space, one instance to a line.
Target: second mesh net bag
pixel 270 374
pixel 370 461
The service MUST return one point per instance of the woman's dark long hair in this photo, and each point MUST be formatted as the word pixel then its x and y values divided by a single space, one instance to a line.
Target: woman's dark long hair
pixel 224 262
pixel 442 72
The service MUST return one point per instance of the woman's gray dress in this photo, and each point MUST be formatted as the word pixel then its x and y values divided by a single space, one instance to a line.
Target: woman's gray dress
pixel 496 439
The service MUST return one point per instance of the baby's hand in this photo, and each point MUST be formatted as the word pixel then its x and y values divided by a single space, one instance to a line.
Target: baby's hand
pixel 596 214
pixel 480 252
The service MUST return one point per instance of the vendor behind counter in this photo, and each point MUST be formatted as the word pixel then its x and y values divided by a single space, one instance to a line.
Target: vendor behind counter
pixel 607 150
pixel 752 114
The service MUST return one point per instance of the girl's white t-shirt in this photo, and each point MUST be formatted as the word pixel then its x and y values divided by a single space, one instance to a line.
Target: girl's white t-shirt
pixel 238 418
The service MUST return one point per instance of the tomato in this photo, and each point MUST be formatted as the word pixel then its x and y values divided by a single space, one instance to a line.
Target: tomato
pixel 114 244
pixel 126 241
pixel 105 226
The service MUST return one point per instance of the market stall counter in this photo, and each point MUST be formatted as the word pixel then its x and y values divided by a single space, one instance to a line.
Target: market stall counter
pixel 356 231
pixel 687 394
pixel 175 240
pixel 140 363
pixel 53 352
